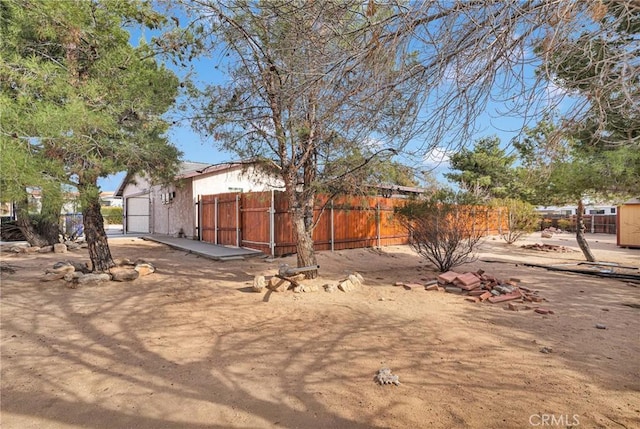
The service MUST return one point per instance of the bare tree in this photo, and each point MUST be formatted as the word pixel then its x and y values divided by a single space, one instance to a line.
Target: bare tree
pixel 309 80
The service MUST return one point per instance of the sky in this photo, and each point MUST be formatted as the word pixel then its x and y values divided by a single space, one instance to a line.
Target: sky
pixel 199 149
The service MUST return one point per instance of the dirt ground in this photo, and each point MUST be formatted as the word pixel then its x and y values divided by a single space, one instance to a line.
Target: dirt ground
pixel 192 347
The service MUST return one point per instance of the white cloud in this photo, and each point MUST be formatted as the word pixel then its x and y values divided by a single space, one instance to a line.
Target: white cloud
pixel 437 157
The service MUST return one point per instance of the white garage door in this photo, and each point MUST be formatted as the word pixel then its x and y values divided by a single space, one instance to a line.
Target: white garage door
pixel 138 214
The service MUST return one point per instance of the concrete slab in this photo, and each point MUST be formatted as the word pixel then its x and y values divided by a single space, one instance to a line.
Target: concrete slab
pixel 207 250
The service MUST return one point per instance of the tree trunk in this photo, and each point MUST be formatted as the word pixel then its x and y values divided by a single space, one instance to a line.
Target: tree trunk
pixel 303 230
pixel 23 221
pixel 94 232
pixel 580 238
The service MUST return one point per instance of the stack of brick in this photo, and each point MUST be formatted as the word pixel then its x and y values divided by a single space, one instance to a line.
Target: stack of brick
pixel 481 287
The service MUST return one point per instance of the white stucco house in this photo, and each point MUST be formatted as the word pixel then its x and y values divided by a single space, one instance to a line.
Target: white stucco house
pixel 172 210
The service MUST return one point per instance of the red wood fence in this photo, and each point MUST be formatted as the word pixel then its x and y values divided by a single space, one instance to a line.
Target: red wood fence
pixel 261 221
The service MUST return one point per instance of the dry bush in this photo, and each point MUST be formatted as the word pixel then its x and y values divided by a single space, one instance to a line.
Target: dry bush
pixel 442 232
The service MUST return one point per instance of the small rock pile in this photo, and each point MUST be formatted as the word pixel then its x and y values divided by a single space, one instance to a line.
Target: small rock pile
pixel 278 283
pixel 550 231
pixel 548 248
pixel 56 248
pixel 481 287
pixel 77 274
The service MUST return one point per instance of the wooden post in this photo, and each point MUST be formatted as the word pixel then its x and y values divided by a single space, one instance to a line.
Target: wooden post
pixel 332 231
pixel 378 226
pixel 238 220
pixel 215 220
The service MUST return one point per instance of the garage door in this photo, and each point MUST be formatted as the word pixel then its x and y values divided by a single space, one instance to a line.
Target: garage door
pixel 137 215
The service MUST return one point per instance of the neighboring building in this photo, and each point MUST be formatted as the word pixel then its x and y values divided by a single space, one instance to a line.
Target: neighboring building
pixel 591 209
pixel 172 210
pixel 108 199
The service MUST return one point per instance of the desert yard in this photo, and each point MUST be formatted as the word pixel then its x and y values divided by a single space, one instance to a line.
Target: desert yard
pixel 191 346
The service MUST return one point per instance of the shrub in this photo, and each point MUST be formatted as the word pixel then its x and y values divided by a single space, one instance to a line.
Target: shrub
pixel 565 224
pixel 112 215
pixel 441 231
pixel 522 219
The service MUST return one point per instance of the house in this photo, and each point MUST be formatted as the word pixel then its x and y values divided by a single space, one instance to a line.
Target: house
pixel 172 210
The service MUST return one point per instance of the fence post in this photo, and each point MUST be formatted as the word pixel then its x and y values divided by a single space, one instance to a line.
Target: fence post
pixel 215 220
pixel 238 220
pixel 272 224
pixel 331 226
pixel 378 226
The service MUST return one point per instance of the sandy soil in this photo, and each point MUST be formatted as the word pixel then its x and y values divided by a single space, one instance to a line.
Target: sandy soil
pixel 192 347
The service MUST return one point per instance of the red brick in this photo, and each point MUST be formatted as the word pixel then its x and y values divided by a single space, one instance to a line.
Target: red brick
pixel 513 307
pixel 541 310
pixel 506 297
pixel 477 292
pixel 472 299
pixel 468 279
pixel 448 277
pixel 485 295
pixel 432 287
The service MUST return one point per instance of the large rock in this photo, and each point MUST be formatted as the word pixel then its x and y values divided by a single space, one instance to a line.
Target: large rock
pixel 61 267
pixel 52 276
pixel 123 274
pixel 45 249
pixel 59 248
pixel 120 262
pixel 346 286
pixel 94 278
pixel 259 283
pixel 144 268
pixel 278 285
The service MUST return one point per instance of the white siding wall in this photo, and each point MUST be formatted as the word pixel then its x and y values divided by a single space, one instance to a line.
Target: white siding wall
pixel 233 180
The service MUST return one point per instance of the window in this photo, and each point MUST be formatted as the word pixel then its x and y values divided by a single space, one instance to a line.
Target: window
pixel 613 210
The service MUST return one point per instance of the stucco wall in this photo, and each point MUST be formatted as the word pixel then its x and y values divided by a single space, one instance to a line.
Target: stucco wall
pixel 176 213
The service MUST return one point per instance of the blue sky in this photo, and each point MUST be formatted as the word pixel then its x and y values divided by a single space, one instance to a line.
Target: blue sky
pixel 195 148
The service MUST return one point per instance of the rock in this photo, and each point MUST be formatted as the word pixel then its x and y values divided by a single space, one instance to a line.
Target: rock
pixel 384 376
pixel 600 326
pixel 61 268
pixel 71 245
pixel 259 283
pixel 453 289
pixel 277 284
pixel 144 268
pixel 52 276
pixel 305 288
pixel 359 277
pixel 355 280
pixel 546 350
pixel 59 248
pixel 120 262
pixel 31 249
pixel 123 274
pixel 94 278
pixel 297 278
pixel 45 249
pixel 72 276
pixel 330 288
pixel 16 249
pixel 346 286
pixel 546 234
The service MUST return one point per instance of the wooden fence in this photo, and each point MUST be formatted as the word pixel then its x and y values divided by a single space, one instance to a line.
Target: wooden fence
pixel 262 221
pixel 595 224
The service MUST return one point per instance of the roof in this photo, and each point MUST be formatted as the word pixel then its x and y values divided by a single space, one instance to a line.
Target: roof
pixel 187 169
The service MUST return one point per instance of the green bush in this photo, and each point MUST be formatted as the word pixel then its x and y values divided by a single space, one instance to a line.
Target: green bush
pixel 112 215
pixel 522 219
pixel 565 224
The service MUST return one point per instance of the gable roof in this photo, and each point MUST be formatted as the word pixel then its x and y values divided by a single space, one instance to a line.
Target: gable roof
pixel 187 169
